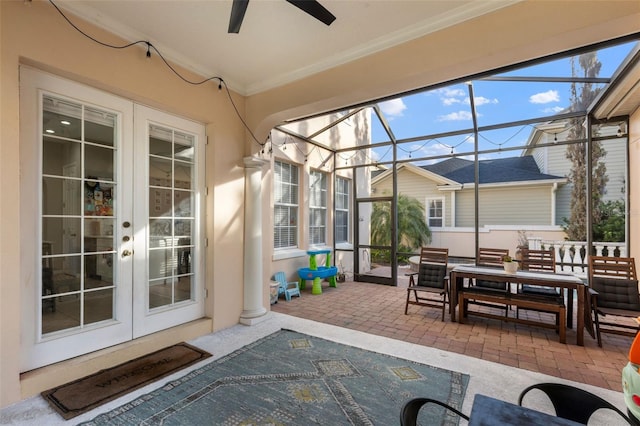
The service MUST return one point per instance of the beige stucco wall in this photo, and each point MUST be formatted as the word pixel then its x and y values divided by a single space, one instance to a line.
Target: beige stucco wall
pixel 292 150
pixel 457 239
pixel 36 34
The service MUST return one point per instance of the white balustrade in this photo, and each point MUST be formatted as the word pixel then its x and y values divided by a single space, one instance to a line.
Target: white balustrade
pixel 571 256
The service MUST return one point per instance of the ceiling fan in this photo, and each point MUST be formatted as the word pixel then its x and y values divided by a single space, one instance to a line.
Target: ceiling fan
pixel 312 7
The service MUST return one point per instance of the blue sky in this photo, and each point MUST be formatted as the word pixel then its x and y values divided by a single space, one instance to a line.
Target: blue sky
pixel 448 109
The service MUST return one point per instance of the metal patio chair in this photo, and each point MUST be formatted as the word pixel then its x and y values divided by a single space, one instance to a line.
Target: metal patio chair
pixel 572 403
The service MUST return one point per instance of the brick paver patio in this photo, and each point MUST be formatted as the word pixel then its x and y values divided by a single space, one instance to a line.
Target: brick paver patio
pixel 379 309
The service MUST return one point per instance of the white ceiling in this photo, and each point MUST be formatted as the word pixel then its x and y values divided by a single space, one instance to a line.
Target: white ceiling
pixel 277 43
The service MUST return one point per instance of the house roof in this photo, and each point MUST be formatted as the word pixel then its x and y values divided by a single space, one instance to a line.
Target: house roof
pixel 378 175
pixel 511 169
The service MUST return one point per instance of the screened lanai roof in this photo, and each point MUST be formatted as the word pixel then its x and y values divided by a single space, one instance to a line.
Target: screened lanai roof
pixel 503 108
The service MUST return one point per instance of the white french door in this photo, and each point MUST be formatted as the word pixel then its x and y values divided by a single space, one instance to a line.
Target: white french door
pixel 167 183
pixel 111 219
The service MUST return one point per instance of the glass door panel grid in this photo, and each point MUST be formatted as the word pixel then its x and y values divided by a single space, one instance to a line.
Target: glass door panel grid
pixel 77 214
pixel 171 216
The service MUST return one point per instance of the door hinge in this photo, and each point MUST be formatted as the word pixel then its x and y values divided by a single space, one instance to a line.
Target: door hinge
pixel 206 293
pixel 206 242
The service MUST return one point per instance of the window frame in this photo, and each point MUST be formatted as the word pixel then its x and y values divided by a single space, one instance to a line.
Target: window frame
pixel 291 207
pixel 346 210
pixel 321 209
pixel 428 211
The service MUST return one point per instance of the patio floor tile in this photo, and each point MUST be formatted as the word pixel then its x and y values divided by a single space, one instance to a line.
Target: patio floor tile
pixel 379 309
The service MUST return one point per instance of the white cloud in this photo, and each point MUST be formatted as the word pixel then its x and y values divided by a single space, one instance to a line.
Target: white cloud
pixel 545 97
pixel 456 116
pixel 450 101
pixel 450 96
pixel 453 97
pixel 393 108
pixel 481 100
pixel 553 110
pixel 448 92
pixel 434 149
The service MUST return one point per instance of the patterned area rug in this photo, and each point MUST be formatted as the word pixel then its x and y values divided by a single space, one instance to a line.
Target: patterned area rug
pixel 289 378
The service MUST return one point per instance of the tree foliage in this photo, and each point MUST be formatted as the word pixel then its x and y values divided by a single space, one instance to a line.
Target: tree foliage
pixel 413 231
pixel 581 98
pixel 611 227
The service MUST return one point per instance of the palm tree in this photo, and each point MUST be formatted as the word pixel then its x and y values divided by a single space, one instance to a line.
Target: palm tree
pixel 413 231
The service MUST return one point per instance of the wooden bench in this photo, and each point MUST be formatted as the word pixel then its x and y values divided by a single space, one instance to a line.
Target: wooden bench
pixel 518 300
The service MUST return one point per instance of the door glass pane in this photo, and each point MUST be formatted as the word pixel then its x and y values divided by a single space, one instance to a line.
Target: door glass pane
pixel 183 227
pixel 183 289
pixel 160 203
pixel 99 162
pixel 161 263
pixel 184 146
pixel 171 216
pixel 159 232
pixel 100 127
pixel 98 305
pixel 66 152
pixel 183 201
pixel 160 293
pixel 78 214
pixel 61 118
pixel 61 196
pixel 160 141
pixel 60 313
pixel 99 198
pixel 183 175
pixel 160 172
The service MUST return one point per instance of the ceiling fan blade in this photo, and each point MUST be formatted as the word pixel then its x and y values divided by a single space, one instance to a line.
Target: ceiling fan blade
pixel 315 9
pixel 238 9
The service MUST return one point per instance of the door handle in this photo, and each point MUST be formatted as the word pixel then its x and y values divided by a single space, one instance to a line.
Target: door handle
pixel 127 253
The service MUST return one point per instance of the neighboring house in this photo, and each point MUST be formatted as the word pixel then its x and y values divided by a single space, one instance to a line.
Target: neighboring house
pixel 512 191
pixel 552 160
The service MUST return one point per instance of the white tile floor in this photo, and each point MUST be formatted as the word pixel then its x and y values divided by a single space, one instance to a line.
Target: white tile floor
pixel 496 380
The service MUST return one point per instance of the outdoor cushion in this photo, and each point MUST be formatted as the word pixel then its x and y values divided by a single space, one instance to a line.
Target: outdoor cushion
pixel 617 293
pixel 491 285
pixel 540 290
pixel 432 275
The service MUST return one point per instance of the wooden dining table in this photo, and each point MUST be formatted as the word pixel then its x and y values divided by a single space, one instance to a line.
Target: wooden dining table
pixel 564 281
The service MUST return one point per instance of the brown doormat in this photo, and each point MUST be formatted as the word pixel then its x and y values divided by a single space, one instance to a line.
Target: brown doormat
pixel 79 396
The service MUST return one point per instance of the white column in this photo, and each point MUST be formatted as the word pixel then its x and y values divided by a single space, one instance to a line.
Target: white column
pixel 254 311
